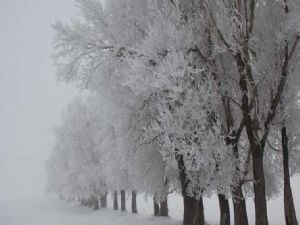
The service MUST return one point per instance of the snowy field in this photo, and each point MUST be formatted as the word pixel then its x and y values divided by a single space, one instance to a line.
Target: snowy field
pixel 49 211
pixel 57 212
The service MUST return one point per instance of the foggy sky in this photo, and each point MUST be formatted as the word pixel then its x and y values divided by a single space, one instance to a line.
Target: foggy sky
pixel 31 100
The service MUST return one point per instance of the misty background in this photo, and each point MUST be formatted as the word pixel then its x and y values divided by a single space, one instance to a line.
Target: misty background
pixel 31 102
pixel 31 99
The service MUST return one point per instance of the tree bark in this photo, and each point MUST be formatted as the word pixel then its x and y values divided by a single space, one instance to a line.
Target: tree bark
pixel 289 209
pixel 116 207
pixel 239 206
pixel 103 201
pixel 189 203
pixel 133 202
pixel 164 211
pixel 224 210
pixel 232 139
pixel 123 201
pixel 256 147
pixel 156 207
pixel 189 210
pixel 261 217
pixel 200 220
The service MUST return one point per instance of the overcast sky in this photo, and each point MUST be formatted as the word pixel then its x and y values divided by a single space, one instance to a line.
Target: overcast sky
pixel 31 100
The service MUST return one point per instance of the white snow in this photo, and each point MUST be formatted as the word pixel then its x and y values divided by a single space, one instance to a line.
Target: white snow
pixel 51 211
pixel 58 212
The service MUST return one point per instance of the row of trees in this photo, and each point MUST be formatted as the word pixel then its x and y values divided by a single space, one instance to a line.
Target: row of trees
pixel 87 162
pixel 196 96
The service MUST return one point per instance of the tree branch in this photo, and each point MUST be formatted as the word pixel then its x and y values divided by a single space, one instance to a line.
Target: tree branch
pixel 280 89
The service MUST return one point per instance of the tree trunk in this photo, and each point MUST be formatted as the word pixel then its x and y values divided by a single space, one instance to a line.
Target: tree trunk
pixel 224 210
pixel 256 147
pixel 261 217
pixel 116 207
pixel 133 202
pixel 289 209
pixel 189 210
pixel 156 207
pixel 189 203
pixel 90 202
pixel 123 201
pixel 232 139
pixel 200 220
pixel 164 211
pixel 95 203
pixel 103 201
pixel 82 202
pixel 239 206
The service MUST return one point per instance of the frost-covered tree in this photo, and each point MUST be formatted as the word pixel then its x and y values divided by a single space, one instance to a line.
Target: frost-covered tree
pixel 76 165
pixel 184 105
pixel 92 52
pixel 195 88
pixel 261 38
pixel 147 168
pixel 158 48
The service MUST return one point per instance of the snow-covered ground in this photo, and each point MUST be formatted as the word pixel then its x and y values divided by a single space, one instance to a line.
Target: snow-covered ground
pixel 49 211
pixel 57 212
